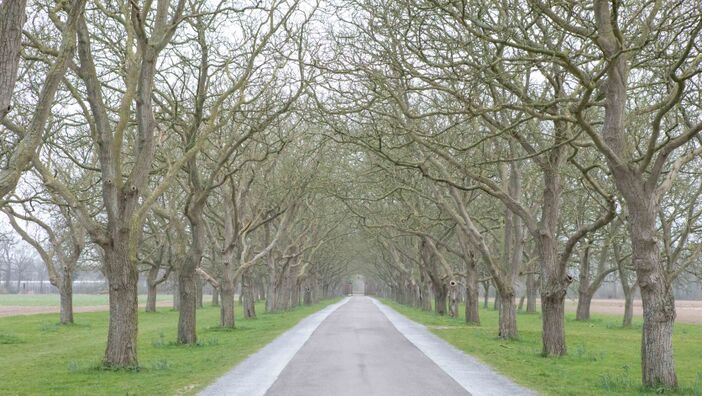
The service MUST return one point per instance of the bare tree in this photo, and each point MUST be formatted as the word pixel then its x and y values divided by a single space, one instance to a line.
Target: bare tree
pixel 60 257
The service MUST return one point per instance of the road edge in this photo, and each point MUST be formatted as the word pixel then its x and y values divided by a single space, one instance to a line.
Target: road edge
pixel 476 378
pixel 255 375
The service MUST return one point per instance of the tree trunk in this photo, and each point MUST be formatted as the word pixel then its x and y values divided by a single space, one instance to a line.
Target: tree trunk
pixel 531 294
pixel 187 308
pixel 486 294
pixel 585 297
pixel 454 297
pixel 151 289
pixel 553 309
pixel 471 307
pixel 628 290
pixel 640 192
pixel 508 329
pixel 657 362
pixel 66 295
pixel 215 298
pixel 440 294
pixel 425 303
pixel 271 292
pixel 122 277
pixel 296 295
pixel 176 294
pixel 199 293
pixel 307 298
pixel 227 306
pixel 628 309
pixel 188 290
pixel 583 305
pixel 554 279
pixel 12 18
pixel 248 299
pixel 8 276
pixel 151 298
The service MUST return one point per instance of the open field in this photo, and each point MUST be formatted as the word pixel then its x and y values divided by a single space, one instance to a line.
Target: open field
pixel 688 311
pixel 52 300
pixel 32 304
pixel 67 358
pixel 603 358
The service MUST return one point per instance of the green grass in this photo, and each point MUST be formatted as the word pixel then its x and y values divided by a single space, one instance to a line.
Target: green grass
pixel 52 300
pixel 603 358
pixel 39 356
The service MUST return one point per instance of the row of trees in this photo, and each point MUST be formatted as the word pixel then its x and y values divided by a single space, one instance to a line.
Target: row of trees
pixel 522 136
pixel 165 136
pixel 450 145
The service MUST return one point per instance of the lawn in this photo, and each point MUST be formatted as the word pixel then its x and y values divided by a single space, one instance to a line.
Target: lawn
pixel 603 358
pixel 52 300
pixel 39 356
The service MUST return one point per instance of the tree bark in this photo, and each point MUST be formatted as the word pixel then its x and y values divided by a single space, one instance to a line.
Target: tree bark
pixel 508 328
pixel 440 294
pixel 583 305
pixel 151 289
pixel 215 302
pixel 471 308
pixel 585 297
pixel 248 299
pixel 151 298
pixel 271 292
pixel 307 297
pixel 296 295
pixel 227 306
pixel 425 303
pixel 453 297
pixel 553 310
pixel 642 195
pixel 628 309
pixel 199 293
pixel 657 362
pixel 122 276
pixel 66 296
pixel 187 308
pixel 12 18
pixel 531 294
pixel 176 296
pixel 187 273
pixel 554 280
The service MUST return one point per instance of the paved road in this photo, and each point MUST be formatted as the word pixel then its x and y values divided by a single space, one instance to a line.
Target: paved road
pixel 357 351
pixel 361 347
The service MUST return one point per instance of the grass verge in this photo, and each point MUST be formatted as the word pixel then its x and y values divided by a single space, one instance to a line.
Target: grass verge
pixel 603 358
pixel 39 356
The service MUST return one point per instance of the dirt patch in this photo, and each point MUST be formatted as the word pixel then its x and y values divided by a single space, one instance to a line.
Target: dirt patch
pixel 11 310
pixel 687 311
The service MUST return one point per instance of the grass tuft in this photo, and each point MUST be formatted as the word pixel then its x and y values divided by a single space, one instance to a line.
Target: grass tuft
pixel 8 339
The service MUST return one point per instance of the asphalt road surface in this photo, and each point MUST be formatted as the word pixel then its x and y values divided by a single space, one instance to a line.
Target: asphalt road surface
pixel 361 347
pixel 357 351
